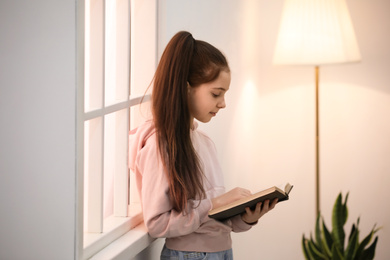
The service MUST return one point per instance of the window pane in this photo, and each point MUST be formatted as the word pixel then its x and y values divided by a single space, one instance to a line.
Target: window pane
pixel 121 185
pixel 93 175
pixel 109 163
pixel 115 163
pixel 117 50
pixel 138 114
pixel 94 69
pixel 143 45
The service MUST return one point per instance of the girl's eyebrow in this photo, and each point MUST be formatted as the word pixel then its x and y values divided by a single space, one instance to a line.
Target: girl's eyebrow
pixel 220 89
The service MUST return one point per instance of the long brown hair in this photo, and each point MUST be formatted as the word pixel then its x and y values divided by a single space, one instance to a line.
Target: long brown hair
pixel 184 61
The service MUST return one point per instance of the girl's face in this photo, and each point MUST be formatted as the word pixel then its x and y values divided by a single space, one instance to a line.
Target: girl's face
pixel 207 99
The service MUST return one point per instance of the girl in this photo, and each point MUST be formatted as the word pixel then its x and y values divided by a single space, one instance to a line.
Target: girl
pixel 177 172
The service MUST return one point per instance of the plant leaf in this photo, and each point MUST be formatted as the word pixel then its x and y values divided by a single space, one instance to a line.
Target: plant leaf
pixel 345 208
pixel 365 242
pixel 327 240
pixel 314 251
pixel 305 248
pixel 318 232
pixel 336 254
pixel 352 245
pixel 353 229
pixel 369 253
pixel 339 217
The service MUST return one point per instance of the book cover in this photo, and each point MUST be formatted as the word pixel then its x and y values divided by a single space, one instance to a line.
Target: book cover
pixel 238 207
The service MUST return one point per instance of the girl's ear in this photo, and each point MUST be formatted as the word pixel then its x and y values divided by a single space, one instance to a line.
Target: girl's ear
pixel 188 87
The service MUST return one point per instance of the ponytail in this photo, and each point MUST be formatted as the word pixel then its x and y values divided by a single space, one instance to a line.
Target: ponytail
pixel 184 60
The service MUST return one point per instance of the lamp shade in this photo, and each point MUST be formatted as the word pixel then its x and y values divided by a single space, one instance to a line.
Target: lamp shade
pixel 316 32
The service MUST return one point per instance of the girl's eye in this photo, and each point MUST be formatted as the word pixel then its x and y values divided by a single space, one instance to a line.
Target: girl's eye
pixel 215 95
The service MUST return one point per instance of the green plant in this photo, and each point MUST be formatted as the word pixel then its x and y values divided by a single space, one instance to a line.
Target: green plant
pixel 330 244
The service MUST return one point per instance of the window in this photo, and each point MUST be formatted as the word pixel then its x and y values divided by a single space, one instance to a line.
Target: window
pixel 108 107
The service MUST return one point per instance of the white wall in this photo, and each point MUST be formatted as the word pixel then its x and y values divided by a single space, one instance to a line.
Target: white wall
pixel 37 133
pixel 266 134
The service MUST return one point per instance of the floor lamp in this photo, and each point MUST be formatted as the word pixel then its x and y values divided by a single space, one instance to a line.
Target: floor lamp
pixel 316 33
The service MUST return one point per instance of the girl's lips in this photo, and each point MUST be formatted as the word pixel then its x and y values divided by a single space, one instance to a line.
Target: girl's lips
pixel 213 113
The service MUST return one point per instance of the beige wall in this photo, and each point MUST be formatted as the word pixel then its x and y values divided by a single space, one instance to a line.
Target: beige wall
pixel 265 136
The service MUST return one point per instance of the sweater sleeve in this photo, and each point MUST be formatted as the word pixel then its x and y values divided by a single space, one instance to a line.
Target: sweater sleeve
pixel 160 219
pixel 238 225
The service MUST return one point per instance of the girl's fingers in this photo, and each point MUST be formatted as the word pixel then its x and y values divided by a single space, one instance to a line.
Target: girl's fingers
pixel 273 203
pixel 259 211
pixel 258 207
pixel 265 206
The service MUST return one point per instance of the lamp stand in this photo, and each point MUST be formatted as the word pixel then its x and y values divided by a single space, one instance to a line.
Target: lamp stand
pixel 317 176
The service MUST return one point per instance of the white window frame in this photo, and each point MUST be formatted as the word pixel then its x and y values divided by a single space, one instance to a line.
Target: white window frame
pixel 126 216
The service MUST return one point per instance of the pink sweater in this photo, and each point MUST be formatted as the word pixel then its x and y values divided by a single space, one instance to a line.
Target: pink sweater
pixel 194 231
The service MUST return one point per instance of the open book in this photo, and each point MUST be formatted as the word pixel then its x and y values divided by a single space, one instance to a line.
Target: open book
pixel 238 207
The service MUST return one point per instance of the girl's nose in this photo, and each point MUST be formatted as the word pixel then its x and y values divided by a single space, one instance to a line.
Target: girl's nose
pixel 222 103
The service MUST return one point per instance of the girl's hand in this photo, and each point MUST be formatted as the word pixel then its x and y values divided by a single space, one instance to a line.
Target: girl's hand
pixel 230 196
pixel 251 217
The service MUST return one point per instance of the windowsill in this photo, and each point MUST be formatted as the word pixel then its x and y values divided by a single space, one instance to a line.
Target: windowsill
pixel 127 246
pixel 120 234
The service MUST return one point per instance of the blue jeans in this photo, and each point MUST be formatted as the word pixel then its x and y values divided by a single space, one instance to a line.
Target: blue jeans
pixel 168 254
